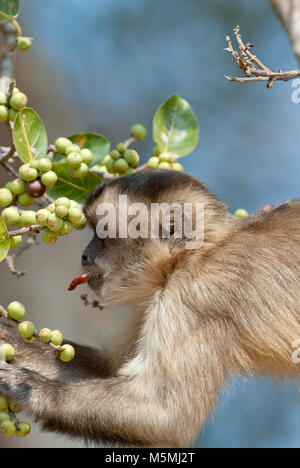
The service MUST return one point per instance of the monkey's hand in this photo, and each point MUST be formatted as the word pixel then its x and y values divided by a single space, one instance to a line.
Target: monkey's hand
pixel 38 357
pixel 17 383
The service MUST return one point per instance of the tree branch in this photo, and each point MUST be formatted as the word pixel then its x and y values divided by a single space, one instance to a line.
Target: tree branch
pixel 6 54
pixel 252 67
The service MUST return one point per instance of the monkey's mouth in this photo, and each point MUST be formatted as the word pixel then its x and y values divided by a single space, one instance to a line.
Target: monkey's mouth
pixel 95 280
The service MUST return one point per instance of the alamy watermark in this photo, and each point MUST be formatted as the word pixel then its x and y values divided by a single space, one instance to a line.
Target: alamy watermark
pixel 296 92
pixel 160 220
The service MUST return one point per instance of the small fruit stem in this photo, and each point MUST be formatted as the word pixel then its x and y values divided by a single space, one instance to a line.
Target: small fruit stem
pixel 17 26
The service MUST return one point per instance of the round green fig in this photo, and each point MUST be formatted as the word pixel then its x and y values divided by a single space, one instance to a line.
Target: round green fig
pixel 72 148
pixel 3 403
pixel 67 353
pixel 15 242
pixel 18 186
pixel 22 429
pixel 16 310
pixel 24 43
pixel 49 179
pixel 49 237
pixel 28 219
pixel 121 166
pixel 74 160
pixel 18 101
pixel 7 352
pixel 45 335
pixel 6 197
pixel 138 131
pixel 54 223
pixel 11 216
pixel 74 215
pixel 25 200
pixel 42 217
pixel 26 329
pixel 3 113
pixel 44 165
pixel 62 144
pixel 57 337
pixel 8 428
pixel 87 156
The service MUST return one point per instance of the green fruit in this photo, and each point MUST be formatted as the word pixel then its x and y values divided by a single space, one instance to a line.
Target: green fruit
pixel 26 329
pixel 54 223
pixel 44 165
pixel 45 335
pixel 3 403
pixel 57 337
pixel 82 223
pixel 74 204
pixel 30 340
pixel 18 187
pixel 18 101
pixel 24 43
pixel 16 310
pixel 3 98
pixel 10 216
pixel 121 165
pixel 15 90
pixel 63 201
pixel 153 162
pixel 80 172
pixel 130 171
pixel 66 229
pixel 61 211
pixel 74 160
pixel 25 200
pixel 7 352
pixel 87 156
pixel 164 165
pixel 8 185
pixel 74 215
pixel 72 149
pixel 6 197
pixel 67 353
pixel 8 428
pixel 49 237
pixel 132 157
pixel 15 407
pixel 167 157
pixel 28 219
pixel 115 155
pixel 3 113
pixel 138 131
pixel 4 417
pixel 34 164
pixel 12 114
pixel 42 217
pixel 240 213
pixel 15 242
pixel 28 173
pixel 111 166
pixel 155 151
pixel 49 179
pixel 177 167
pixel 62 144
pixel 122 148
pixel 51 208
pixel 22 429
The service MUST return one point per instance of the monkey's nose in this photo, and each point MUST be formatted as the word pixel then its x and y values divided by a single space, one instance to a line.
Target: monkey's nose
pixel 87 260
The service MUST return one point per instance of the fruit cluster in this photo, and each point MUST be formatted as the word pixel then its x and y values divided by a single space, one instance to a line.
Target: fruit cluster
pixel 9 108
pixel 28 332
pixel 60 218
pixel 121 160
pixel 8 426
pixel 164 160
pixel 34 178
pixel 78 160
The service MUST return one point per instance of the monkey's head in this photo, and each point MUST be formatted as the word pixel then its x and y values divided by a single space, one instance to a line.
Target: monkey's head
pixel 137 241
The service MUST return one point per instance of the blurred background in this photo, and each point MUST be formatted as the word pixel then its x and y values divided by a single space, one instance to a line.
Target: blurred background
pixel 103 65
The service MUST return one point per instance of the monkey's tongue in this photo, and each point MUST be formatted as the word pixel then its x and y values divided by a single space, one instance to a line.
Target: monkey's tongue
pixel 77 281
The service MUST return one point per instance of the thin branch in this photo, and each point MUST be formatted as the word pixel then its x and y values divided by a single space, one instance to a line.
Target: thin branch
pixel 252 67
pixel 24 231
pixel 6 54
pixel 10 259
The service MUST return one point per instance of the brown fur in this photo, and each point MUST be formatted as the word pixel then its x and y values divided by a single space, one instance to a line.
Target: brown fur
pixel 231 307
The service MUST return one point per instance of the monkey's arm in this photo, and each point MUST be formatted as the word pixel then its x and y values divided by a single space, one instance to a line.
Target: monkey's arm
pixel 159 398
pixel 89 362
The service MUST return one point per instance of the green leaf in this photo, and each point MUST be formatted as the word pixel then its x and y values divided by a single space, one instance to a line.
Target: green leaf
pixel 75 189
pixel 4 240
pixel 98 144
pixel 176 127
pixel 30 136
pixel 9 9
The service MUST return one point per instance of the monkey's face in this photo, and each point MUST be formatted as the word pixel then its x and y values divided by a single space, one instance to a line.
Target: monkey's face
pixel 132 251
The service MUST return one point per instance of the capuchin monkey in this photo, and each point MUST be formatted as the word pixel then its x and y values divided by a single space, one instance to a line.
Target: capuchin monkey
pixel 200 315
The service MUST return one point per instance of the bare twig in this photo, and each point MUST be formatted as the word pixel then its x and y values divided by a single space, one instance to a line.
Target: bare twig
pixel 252 67
pixel 24 231
pixel 10 259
